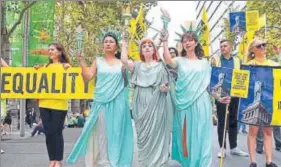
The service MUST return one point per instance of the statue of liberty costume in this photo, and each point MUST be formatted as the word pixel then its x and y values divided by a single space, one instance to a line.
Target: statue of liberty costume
pixel 107 136
pixel 152 113
pixel 193 116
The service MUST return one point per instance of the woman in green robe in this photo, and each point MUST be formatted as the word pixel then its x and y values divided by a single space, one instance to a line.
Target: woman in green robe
pixel 193 105
pixel 152 105
pixel 107 136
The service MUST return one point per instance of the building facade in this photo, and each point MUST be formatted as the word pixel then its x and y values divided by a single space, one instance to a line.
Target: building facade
pixel 217 12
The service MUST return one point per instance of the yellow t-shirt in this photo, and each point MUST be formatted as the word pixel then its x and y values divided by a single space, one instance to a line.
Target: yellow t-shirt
pixel 56 104
pixel 86 112
pixel 265 63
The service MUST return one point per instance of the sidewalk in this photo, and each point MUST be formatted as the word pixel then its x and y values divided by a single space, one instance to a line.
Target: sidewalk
pixel 31 151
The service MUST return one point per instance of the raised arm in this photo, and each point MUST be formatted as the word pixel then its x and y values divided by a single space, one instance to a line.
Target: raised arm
pixel 124 56
pixel 87 73
pixel 158 45
pixel 3 63
pixel 167 56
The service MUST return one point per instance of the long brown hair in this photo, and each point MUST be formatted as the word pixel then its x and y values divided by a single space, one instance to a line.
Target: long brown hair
pixel 198 49
pixel 155 54
pixel 64 58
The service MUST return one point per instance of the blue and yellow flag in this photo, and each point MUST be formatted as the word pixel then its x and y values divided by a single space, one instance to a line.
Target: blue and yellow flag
pixel 263 104
pixel 258 88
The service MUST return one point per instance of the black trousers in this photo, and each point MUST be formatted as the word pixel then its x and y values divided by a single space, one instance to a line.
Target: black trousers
pixel 232 124
pixel 53 123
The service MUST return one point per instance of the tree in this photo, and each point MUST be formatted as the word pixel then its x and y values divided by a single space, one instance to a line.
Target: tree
pixel 272 31
pixel 6 33
pixel 93 16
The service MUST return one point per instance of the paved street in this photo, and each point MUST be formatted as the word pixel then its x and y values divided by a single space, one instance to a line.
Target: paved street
pixel 31 151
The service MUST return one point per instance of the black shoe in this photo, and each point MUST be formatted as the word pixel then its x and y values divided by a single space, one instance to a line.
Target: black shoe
pixel 253 164
pixel 271 165
pixel 278 148
pixel 259 151
pixel 244 131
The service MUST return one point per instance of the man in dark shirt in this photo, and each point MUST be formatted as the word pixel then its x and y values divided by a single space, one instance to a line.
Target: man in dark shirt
pixel 226 60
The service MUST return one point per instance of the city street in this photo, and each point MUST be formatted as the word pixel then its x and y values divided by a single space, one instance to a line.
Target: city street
pixel 230 49
pixel 31 151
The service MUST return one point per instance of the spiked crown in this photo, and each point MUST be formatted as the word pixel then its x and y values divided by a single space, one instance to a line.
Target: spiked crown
pixel 109 31
pixel 184 30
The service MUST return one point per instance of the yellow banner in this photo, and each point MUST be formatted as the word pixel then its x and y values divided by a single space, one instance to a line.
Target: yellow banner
pixel 204 34
pixel 137 30
pixel 140 25
pixel 44 83
pixel 243 46
pixel 276 115
pixel 252 20
pixel 240 83
pixel 262 21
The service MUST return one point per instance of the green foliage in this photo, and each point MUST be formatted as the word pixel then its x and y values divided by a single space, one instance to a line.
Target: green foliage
pixel 272 9
pixel 93 17
pixel 228 34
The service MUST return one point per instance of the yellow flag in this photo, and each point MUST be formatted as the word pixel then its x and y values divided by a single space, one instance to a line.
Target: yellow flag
pixel 262 21
pixel 252 20
pixel 204 33
pixel 242 50
pixel 140 25
pixel 137 30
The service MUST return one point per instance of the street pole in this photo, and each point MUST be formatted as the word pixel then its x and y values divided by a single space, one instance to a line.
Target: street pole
pixel 0 70
pixel 24 64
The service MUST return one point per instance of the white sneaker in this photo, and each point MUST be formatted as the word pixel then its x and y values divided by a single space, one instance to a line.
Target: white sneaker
pixel 237 151
pixel 2 151
pixel 220 155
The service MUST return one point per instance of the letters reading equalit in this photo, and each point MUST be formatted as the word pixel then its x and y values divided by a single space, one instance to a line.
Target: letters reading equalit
pixel 46 84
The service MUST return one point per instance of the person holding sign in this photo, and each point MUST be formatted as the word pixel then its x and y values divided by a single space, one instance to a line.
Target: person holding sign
pixel 107 136
pixel 193 105
pixel 226 60
pixel 53 111
pixel 152 108
pixel 276 130
pixel 257 56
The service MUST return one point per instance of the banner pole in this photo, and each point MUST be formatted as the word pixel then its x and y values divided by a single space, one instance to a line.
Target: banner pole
pixel 224 135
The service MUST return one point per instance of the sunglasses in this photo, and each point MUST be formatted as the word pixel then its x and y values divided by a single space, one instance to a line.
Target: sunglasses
pixel 261 45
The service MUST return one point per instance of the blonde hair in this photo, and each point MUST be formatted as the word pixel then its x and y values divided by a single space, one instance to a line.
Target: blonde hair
pixel 252 44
